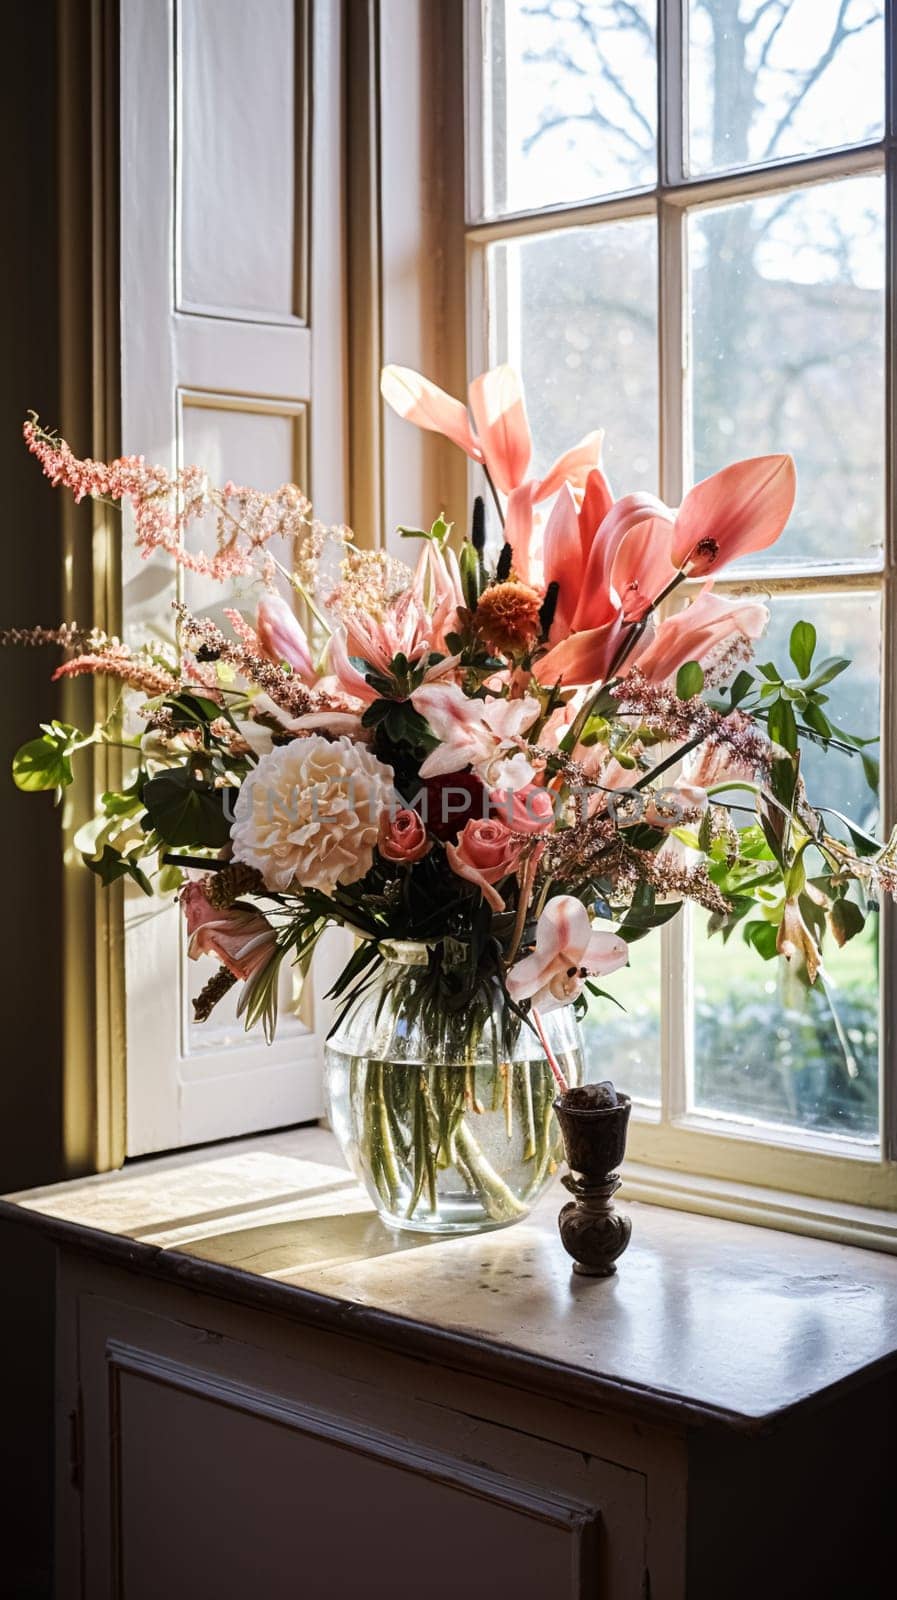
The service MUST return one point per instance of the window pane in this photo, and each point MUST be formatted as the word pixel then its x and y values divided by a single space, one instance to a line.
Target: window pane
pixel 770 79
pixel 625 1045
pixel 764 1047
pixel 575 313
pixel 788 354
pixel 570 91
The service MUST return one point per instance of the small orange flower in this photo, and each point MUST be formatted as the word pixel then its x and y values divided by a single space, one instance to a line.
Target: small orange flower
pixel 507 617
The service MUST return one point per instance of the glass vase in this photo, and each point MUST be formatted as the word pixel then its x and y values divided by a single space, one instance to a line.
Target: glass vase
pixel 445 1114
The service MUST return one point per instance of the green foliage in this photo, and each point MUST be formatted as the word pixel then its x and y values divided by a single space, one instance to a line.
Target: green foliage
pixel 186 810
pixel 802 646
pixel 112 865
pixel 689 680
pixel 45 763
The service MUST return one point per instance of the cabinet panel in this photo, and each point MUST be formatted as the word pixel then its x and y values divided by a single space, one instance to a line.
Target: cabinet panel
pixel 220 1493
pixel 217 1464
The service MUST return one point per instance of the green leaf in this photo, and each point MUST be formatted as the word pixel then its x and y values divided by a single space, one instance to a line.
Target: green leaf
pixel 817 720
pixel 872 771
pixel 45 763
pixel 169 880
pixel 802 646
pixel 762 936
pixel 831 668
pixel 189 709
pixel 741 687
pixel 375 713
pixel 770 671
pixel 782 726
pixel 689 680
pixel 41 764
pixel 639 921
pixel 864 843
pixel 112 865
pixel 471 575
pixel 185 810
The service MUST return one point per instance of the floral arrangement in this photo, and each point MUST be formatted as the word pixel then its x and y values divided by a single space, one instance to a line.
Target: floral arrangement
pixel 523 760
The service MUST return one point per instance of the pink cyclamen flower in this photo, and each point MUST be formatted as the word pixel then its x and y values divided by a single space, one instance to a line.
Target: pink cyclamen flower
pixel 242 940
pixel 282 637
pixel 568 950
pixel 735 512
pixel 483 734
pixel 403 837
pixel 502 440
pixel 692 633
pixel 485 853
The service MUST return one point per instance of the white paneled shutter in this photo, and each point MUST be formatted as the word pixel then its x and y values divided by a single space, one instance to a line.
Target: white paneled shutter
pixel 232 356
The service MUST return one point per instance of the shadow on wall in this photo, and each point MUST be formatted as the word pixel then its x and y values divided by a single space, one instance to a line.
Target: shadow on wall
pixel 30 1009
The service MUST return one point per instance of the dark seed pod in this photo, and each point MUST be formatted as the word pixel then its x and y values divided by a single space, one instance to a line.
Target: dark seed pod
pixel 478 525
pixel 503 569
pixel 548 607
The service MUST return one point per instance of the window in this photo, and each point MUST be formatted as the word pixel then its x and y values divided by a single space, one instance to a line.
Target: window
pixel 676 229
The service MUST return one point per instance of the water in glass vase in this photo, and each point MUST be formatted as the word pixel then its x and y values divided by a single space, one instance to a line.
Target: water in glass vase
pixel 446 1117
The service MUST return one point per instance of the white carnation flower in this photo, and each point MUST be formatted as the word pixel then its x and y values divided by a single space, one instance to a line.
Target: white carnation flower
pixel 308 814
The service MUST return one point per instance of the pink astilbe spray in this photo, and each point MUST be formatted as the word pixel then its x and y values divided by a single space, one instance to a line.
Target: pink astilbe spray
pixel 116 661
pixel 165 505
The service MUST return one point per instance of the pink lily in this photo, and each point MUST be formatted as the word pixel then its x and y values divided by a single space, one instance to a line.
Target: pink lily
pixel 282 637
pixel 568 949
pixel 483 734
pixel 692 633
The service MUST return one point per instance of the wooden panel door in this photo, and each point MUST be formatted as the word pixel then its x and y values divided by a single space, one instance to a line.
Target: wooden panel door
pixel 222 1454
pixel 232 356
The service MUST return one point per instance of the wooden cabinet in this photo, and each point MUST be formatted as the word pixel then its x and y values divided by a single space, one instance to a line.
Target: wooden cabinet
pixel 226 1453
pixel 262 1392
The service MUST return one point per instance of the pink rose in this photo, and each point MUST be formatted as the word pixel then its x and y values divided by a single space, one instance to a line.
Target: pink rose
pixel 485 852
pixel 526 810
pixel 243 941
pixel 403 836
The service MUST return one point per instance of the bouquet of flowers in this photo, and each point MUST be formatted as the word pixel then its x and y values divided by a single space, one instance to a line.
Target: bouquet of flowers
pixel 497 766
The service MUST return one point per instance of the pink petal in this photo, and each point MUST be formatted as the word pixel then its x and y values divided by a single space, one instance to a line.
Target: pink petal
pixel 500 417
pixel 526 810
pixel 562 559
pixel 642 566
pixel 623 515
pixel 448 709
pixel 596 503
pixel 738 510
pixel 583 657
pixel 465 870
pixel 349 676
pixel 692 633
pixel 418 400
pixel 282 636
pixel 519 529
pixel 605 953
pixel 574 466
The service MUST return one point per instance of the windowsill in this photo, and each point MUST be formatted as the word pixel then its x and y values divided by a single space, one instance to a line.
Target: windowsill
pixel 708 1320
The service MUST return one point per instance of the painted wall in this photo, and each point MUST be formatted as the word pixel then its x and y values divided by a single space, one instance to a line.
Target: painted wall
pixel 30 1053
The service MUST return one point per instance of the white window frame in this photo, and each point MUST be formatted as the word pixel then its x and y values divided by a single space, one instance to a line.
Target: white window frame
pixel 699 1161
